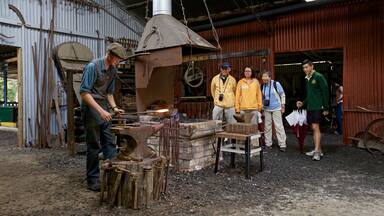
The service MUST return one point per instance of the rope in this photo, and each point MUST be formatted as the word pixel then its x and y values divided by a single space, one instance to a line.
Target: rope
pixel 215 35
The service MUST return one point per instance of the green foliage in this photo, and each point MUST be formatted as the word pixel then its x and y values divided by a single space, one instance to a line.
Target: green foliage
pixel 12 90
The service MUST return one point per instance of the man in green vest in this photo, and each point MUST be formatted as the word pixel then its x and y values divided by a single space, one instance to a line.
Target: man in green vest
pixel 316 103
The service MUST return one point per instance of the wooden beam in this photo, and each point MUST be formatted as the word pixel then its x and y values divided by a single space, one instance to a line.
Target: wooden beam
pixel 14 59
pixel 70 115
pixel 210 56
pixel 136 5
pixel 20 87
pixel 228 13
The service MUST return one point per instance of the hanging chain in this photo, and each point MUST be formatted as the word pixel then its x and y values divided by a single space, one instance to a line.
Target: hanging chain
pixel 215 35
pixel 191 63
pixel 147 11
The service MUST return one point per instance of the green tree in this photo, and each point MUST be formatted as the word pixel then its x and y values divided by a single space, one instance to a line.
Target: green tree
pixel 11 90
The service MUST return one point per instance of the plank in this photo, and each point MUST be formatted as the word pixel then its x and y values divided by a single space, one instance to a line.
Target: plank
pixel 70 115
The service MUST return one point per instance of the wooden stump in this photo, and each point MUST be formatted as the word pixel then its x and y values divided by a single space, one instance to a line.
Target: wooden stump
pixel 132 184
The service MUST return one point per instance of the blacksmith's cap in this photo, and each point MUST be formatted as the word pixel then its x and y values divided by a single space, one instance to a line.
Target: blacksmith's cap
pixel 117 50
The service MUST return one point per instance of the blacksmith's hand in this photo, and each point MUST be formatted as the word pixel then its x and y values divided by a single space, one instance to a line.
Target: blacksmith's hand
pixel 118 111
pixel 106 116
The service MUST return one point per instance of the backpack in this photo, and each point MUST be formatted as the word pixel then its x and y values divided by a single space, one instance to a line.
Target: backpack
pixel 274 85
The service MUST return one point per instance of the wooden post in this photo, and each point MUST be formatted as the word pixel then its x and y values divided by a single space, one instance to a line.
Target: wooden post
pixel 20 116
pixel 103 180
pixel 4 67
pixel 130 190
pixel 70 115
pixel 135 198
pixel 115 187
pixel 148 185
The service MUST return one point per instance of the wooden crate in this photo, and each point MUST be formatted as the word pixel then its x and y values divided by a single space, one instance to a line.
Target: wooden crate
pixel 242 128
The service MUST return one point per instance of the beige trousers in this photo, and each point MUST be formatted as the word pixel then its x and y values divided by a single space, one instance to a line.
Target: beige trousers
pixel 255 119
pixel 217 114
pixel 277 119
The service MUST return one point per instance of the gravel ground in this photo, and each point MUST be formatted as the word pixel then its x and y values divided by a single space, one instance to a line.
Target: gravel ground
pixel 347 181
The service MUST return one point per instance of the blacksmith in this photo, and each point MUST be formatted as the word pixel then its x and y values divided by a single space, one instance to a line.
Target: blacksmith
pixel 96 90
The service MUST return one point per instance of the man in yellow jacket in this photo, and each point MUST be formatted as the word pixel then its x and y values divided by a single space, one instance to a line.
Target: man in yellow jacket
pixel 223 88
pixel 248 95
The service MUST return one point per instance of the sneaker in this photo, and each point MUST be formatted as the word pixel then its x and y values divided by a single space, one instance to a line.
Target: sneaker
pixel 283 149
pixel 312 153
pixel 316 156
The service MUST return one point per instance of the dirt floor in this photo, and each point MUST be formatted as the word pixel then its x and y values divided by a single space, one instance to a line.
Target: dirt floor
pixel 348 181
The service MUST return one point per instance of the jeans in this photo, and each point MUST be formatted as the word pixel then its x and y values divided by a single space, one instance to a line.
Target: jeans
pixel 97 136
pixel 339 118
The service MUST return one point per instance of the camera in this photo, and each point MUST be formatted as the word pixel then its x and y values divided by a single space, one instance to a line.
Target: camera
pixel 266 103
pixel 221 97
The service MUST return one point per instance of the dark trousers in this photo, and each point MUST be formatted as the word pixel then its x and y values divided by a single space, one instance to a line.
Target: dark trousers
pixel 339 118
pixel 98 137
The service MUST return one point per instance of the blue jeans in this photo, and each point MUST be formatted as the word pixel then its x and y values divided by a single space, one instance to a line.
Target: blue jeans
pixel 98 137
pixel 339 118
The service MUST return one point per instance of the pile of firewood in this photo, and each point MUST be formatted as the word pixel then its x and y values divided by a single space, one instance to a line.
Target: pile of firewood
pixel 132 184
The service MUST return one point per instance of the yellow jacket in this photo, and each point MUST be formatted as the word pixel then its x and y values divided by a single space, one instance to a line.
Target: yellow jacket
pixel 248 96
pixel 228 89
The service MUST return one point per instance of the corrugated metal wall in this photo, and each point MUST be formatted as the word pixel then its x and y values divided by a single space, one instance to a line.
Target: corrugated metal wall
pixel 355 26
pixel 73 23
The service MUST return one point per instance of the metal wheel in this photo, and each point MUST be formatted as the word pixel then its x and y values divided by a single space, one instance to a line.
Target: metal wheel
pixel 193 76
pixel 374 136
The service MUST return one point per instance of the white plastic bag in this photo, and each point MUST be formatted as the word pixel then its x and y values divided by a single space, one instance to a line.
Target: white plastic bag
pixel 297 117
pixel 292 118
pixel 302 117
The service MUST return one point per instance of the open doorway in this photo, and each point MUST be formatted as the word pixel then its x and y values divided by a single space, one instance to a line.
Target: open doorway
pixel 11 90
pixel 288 71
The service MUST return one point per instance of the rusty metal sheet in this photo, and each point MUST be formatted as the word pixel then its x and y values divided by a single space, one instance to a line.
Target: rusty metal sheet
pixel 160 87
pixel 164 31
pixel 355 26
pixel 144 65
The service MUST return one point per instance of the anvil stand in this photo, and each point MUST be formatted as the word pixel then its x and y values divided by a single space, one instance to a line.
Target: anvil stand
pixel 136 177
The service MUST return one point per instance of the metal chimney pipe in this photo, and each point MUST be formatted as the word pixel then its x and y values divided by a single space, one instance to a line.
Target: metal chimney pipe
pixel 162 7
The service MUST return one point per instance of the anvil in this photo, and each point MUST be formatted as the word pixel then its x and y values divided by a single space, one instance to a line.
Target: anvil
pixel 136 136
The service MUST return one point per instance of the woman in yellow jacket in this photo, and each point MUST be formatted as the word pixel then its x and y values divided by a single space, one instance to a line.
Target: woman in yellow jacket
pixel 248 95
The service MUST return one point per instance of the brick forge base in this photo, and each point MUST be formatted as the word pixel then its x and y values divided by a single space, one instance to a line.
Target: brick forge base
pixel 197 145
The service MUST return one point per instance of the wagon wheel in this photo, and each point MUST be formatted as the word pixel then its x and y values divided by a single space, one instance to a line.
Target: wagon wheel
pixel 374 136
pixel 193 76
